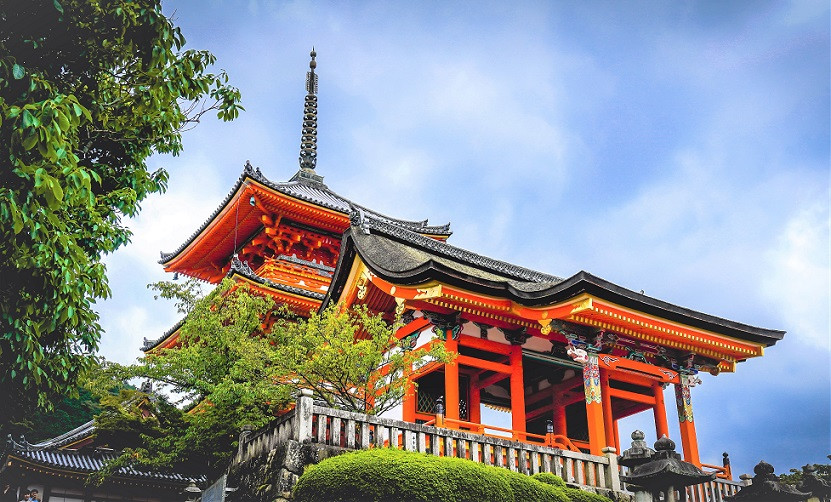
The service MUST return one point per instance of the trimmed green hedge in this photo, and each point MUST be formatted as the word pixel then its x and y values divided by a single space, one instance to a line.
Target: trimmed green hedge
pixel 390 475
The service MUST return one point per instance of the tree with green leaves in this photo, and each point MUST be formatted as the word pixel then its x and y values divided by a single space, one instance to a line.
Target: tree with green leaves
pixel 351 359
pixel 232 367
pixel 88 91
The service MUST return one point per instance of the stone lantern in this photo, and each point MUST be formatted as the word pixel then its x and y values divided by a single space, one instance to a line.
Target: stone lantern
pixel 767 488
pixel 819 488
pixel 659 473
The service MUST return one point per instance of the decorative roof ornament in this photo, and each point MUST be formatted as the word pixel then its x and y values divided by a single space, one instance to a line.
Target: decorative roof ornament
pixel 639 453
pixel 308 140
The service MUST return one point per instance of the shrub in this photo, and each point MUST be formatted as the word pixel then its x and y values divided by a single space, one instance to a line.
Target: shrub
pixel 383 475
pixel 550 479
pixel 527 489
pixel 387 475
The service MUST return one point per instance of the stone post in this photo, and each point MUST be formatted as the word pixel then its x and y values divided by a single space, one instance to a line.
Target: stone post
pixel 613 472
pixel 247 430
pixel 303 416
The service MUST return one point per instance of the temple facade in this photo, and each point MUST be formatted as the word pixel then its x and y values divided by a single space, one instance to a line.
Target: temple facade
pixel 568 357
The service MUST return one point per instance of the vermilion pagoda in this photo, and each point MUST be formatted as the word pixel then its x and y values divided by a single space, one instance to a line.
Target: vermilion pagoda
pixel 569 357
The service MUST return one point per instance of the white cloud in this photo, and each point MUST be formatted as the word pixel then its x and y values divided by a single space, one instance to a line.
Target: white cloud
pixel 799 278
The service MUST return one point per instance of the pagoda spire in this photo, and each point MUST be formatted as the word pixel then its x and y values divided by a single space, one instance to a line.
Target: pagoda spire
pixel 308 142
pixel 308 139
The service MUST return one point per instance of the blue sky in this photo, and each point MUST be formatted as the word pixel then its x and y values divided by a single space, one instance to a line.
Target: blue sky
pixel 677 148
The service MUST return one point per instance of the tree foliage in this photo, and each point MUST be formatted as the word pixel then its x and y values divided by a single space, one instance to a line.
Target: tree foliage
pixel 88 91
pixel 795 476
pixel 232 369
pixel 221 371
pixel 68 413
pixel 351 359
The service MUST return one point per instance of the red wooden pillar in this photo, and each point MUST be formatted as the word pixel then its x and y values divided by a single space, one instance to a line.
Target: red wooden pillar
pixel 474 411
pixel 660 412
pixel 517 390
pixel 451 381
pixel 689 442
pixel 606 399
pixel 408 404
pixel 559 415
pixel 594 405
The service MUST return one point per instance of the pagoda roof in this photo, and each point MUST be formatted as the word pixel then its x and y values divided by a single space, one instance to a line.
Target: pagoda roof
pixel 309 191
pixel 68 438
pixel 52 455
pixel 402 257
pixel 243 270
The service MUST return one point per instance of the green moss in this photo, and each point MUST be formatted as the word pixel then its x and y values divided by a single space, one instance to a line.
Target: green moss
pixel 550 479
pixel 382 475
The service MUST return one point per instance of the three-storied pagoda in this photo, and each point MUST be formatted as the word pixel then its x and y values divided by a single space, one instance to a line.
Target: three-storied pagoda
pixel 569 357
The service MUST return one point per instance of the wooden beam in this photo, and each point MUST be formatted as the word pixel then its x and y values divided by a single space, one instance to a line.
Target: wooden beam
pixel 487 382
pixel 483 364
pixel 483 344
pixel 632 396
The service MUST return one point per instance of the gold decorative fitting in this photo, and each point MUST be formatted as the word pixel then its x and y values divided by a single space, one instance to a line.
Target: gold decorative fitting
pixel 399 306
pixel 429 292
pixel 362 287
pixel 545 325
pixel 583 305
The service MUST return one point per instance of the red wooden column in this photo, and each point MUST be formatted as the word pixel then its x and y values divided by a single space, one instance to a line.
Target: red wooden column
pixel 517 390
pixel 689 442
pixel 660 412
pixel 606 398
pixel 474 411
pixel 559 415
pixel 594 404
pixel 451 380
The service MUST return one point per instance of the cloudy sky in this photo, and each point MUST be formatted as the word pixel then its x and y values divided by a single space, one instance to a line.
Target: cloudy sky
pixel 677 148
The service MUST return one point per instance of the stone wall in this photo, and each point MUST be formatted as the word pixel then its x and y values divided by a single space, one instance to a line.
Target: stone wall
pixel 271 476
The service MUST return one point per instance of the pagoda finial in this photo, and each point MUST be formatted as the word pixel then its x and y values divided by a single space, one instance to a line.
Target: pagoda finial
pixel 308 142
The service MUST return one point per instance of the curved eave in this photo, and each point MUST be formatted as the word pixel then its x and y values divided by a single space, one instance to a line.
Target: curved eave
pixel 200 254
pixel 579 284
pixel 167 340
pixel 148 479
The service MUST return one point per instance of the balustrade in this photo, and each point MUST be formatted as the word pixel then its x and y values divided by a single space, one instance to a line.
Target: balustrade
pixel 548 453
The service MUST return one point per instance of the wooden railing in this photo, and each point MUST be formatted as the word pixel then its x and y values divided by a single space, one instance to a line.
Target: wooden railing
pixel 722 472
pixel 713 491
pixel 528 454
pixel 358 431
pixel 492 431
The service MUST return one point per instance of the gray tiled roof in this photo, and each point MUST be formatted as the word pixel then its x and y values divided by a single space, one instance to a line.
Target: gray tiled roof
pixel 76 434
pixel 89 462
pixel 48 454
pixel 404 257
pixel 433 249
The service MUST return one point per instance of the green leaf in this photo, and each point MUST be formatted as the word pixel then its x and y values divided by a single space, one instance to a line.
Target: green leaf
pixel 28 118
pixel 18 72
pixel 58 6
pixel 29 141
